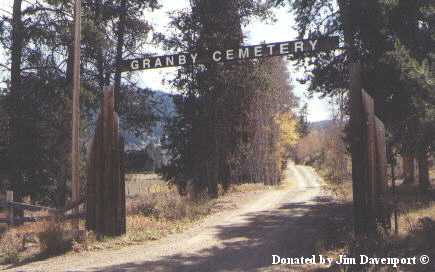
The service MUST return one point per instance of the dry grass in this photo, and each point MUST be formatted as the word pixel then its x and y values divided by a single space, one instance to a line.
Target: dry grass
pixel 416 224
pixel 154 210
pixel 137 185
pixel 53 238
pixel 35 239
pixel 12 245
pixel 249 187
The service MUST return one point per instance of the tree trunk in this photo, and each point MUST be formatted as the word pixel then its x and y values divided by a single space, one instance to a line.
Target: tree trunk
pixel 99 53
pixel 17 47
pixel 423 171
pixel 408 169
pixel 15 107
pixel 119 51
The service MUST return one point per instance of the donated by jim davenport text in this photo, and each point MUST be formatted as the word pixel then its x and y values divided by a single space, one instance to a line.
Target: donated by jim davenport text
pixel 346 260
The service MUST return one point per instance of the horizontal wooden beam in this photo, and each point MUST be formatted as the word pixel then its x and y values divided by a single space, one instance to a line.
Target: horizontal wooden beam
pixel 295 49
pixel 22 206
pixel 73 204
pixel 29 219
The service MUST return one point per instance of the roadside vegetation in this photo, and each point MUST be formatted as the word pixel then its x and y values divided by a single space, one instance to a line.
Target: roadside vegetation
pixel 414 234
pixel 154 210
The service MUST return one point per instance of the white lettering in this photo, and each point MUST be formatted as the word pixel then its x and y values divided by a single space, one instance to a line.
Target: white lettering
pixel 230 54
pixel 299 46
pixel 158 63
pixel 313 44
pixel 217 58
pixel 283 48
pixel 169 60
pixel 364 259
pixel 146 63
pixel 271 46
pixel 276 259
pixel 258 51
pixel 194 57
pixel 243 53
pixel 181 59
pixel 134 65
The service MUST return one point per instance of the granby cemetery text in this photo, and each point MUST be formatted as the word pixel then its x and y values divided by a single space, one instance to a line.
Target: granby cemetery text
pixel 295 48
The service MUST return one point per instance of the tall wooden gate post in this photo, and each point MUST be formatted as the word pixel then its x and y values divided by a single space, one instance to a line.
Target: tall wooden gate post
pixel 370 156
pixel 377 163
pixel 364 220
pixel 383 214
pixel 368 160
pixel 106 184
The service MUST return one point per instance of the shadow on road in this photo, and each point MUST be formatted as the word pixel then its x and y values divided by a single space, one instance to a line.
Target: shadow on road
pixel 292 230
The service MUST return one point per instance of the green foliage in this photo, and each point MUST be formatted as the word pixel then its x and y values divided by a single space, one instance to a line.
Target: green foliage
pixel 394 41
pixel 226 129
pixel 40 106
pixel 303 125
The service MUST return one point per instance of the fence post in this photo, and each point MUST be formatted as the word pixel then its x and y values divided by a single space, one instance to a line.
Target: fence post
pixel 10 209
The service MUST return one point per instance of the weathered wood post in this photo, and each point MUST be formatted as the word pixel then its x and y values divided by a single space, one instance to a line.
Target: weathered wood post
pixel 363 221
pixel 370 134
pixel 106 184
pixel 10 209
pixel 381 174
pixel 75 152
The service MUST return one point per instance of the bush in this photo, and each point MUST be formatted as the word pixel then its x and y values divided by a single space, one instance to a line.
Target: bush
pixel 52 239
pixel 168 206
pixel 12 245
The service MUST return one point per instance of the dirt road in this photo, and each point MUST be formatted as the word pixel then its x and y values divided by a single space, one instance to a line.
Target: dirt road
pixel 281 222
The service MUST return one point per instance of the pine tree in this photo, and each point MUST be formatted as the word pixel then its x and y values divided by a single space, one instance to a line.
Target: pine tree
pixel 226 129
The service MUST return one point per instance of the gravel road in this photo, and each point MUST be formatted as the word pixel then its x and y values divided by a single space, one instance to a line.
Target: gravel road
pixel 281 222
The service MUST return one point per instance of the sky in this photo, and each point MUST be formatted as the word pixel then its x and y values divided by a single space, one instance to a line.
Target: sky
pixel 257 32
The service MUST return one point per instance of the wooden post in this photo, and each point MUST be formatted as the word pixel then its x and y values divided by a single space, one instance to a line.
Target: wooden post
pixel 91 193
pixel 122 203
pixel 10 210
pixel 106 185
pixel 381 174
pixel 381 154
pixel 108 108
pixel 75 156
pixel 370 160
pixel 369 111
pixel 358 149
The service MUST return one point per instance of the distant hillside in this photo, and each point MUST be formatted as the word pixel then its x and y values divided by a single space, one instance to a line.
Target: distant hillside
pixel 164 108
pixel 320 124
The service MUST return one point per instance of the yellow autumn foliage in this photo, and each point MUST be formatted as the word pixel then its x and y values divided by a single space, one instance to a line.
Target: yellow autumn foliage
pixel 288 129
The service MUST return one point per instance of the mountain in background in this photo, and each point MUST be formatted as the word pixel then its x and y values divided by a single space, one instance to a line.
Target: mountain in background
pixel 320 124
pixel 144 152
pixel 164 108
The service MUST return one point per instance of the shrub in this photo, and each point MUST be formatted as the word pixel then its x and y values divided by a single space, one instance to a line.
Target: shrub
pixel 52 239
pixel 12 245
pixel 168 206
